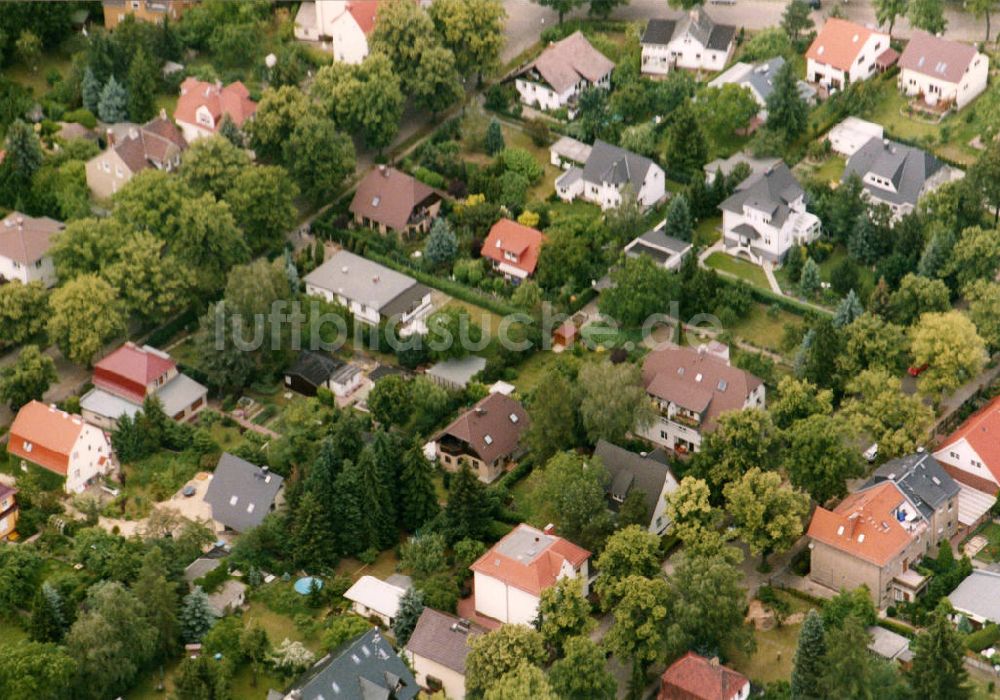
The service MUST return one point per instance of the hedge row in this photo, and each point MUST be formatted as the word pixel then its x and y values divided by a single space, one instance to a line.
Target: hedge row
pixel 768 297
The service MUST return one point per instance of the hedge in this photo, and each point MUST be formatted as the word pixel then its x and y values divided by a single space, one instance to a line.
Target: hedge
pixel 983 638
pixel 897 627
pixel 165 333
pixel 767 296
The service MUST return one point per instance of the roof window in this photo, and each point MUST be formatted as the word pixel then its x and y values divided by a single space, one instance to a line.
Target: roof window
pixel 488 439
pixel 233 500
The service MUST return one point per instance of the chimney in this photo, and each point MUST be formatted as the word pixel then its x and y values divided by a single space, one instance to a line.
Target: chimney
pixel 110 136
pixel 163 113
pixel 374 279
pixel 20 222
pixel 133 133
pixel 480 411
pixel 384 170
pixel 549 529
pixel 714 662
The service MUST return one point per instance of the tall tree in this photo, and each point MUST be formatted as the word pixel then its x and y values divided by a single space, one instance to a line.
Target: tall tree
pixel 150 282
pixel 470 508
pixel 319 156
pixel 631 551
pixel 639 633
pixel 820 456
pixel 525 681
pixel 563 613
pixel 798 399
pixel 312 536
pixel 411 605
pixel 278 112
pixel 442 246
pixel 582 673
pixel 938 669
pixel 553 416
pixel 417 500
pixel 687 150
pixel 561 6
pixel 951 348
pixel 613 401
pixel 202 678
pixel 876 406
pixel 473 30
pixel 927 15
pixel 90 90
pixel 641 288
pixel 262 200
pixel 795 20
pixel 786 110
pixel 494 138
pixel 86 313
pixel 807 671
pixel 48 618
pixel 436 83
pixel 690 510
pixel 27 380
pixel 603 8
pixel 767 515
pixel 196 617
pixel 212 165
pixel 36 670
pixel 113 105
pixel 492 656
pixel 678 219
pixel 569 491
pixel 982 8
pixel 886 11
pixel 742 440
pixel 158 595
pixel 141 81
pixel 848 665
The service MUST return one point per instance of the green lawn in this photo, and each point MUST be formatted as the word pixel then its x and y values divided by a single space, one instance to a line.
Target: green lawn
pixel 488 321
pixel 773 658
pixel 991 552
pixel 764 327
pixel 708 231
pixel 531 371
pixel 829 171
pixel 738 268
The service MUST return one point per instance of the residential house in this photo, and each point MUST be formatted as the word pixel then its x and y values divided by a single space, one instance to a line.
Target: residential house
pixel 875 537
pixel 367 668
pixel 609 172
pixel 345 25
pixel 202 106
pixel 847 137
pixel 487 437
pixel 128 376
pixel 24 248
pixel 311 371
pixel 229 598
pixel 666 251
pixel 971 456
pixel 766 216
pixel 977 598
pixel 373 597
pixel 346 379
pixel 928 488
pixel 568 153
pixel 241 494
pixel 61 443
pixel 898 175
pixel 510 577
pixel 759 80
pixel 561 72
pixel 157 144
pixel 155 11
pixel 371 292
pixel 437 651
pixel 726 166
pixel 390 200
pixel 844 52
pixel 690 389
pixel 513 248
pixel 648 474
pixel 456 373
pixel 9 511
pixel 942 72
pixel 693 42
pixel 694 677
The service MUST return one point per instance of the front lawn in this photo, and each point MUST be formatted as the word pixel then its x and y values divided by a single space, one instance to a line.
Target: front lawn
pixel 764 326
pixel 773 659
pixel 708 231
pixel 735 267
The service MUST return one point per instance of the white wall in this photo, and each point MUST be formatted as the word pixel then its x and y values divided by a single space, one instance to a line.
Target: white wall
pixel 935 90
pixel 862 67
pixel 656 59
pixel 91 445
pixel 693 56
pixel 654 187
pixel 962 456
pixel 42 271
pixel 505 603
pixel 452 681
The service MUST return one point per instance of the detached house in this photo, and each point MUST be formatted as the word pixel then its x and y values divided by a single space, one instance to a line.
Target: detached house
pixel 61 443
pixel 157 144
pixel 373 597
pixel 510 577
pixel 24 248
pixel 486 437
pixel 647 474
pixel 844 52
pixel 437 651
pixel 513 248
pixel 690 389
pixel 125 378
pixel 766 216
pixel 344 24
pixel 971 454
pixel 390 200
pixel 241 494
pixel 155 11
pixel 898 175
pixel 608 174
pixel 759 80
pixel 563 70
pixel 202 107
pixel 693 677
pixel 693 42
pixel 942 72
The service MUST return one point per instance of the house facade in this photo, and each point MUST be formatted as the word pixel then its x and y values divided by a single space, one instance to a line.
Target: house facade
pixel 487 437
pixel 647 474
pixel 695 677
pixel 690 388
pixel 510 577
pixel 342 26
pixel 563 70
pixel 202 107
pixel 157 144
pixel 971 454
pixel 390 200
pixel 513 249
pixel 155 11
pixel 693 42
pixel 24 247
pixel 9 511
pixel 609 174
pixel 437 650
pixel 766 216
pixel 844 52
pixel 942 72
pixel 61 443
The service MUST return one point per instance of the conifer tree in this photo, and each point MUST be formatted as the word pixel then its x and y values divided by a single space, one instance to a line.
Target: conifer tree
pixel 849 309
pixel 470 509
pixel 48 621
pixel 313 541
pixel 378 520
pixel 346 511
pixel 141 82
pixel 411 605
pixel 417 497
pixel 809 281
pixel 196 616
pixel 494 138
pixel 158 595
pixel 880 299
pixel 687 148
pixel 90 90
pixel 113 105
pixel 678 219
pixel 807 673
pixel 938 671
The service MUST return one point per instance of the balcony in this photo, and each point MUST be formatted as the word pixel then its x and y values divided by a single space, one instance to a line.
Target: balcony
pixel 686 420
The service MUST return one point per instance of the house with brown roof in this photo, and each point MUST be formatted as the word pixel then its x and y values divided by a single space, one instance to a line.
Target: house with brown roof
pixel 9 511
pixel 691 388
pixel 487 437
pixel 390 200
pixel 155 11
pixel 156 144
pixel 510 577
pixel 202 107
pixel 437 651
pixel 942 72
pixel 844 52
pixel 24 248
pixel 561 72
pixel 694 677
pixel 513 248
pixel 340 26
pixel 61 443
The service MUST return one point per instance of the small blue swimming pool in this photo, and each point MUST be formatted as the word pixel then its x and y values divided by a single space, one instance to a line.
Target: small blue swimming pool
pixel 305 584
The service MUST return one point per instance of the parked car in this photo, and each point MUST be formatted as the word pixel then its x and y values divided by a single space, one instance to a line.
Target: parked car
pixel 917 371
pixel 871 453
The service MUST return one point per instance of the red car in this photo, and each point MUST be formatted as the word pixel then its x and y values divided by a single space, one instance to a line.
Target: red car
pixel 917 371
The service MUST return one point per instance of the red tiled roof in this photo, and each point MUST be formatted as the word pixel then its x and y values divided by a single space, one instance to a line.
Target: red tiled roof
pixel 233 99
pixel 364 12
pixel 864 525
pixel 693 676
pixel 512 237
pixel 535 571
pixel 982 431
pixel 838 43
pixel 157 142
pixel 51 434
pixel 129 370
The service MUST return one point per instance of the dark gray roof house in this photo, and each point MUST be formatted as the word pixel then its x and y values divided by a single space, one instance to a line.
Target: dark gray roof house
pixel 659 31
pixel 666 251
pixel 697 24
pixel 922 480
pixel 311 371
pixel 895 173
pixel 365 669
pixel 650 474
pixel 241 493
pixel 772 193
pixel 614 165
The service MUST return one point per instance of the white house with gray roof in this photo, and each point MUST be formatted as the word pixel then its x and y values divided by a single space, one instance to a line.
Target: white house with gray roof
pixel 646 474
pixel 978 597
pixel 693 42
pixel 561 72
pixel 766 216
pixel 898 175
pixel 759 80
pixel 241 494
pixel 666 251
pixel 609 172
pixel 371 292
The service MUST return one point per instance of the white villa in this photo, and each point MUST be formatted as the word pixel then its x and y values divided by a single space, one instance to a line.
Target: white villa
pixel 844 52
pixel 693 42
pixel 563 70
pixel 942 72
pixel 610 171
pixel 24 248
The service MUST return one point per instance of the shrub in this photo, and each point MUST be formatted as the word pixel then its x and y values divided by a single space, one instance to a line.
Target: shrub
pixel 81 116
pixel 429 177
pixel 983 638
pixel 213 580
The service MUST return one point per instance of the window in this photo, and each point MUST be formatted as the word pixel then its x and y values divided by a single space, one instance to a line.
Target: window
pixel 233 500
pixel 250 508
pixel 27 446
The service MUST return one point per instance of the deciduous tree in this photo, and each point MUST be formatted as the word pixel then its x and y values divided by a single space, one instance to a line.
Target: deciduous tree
pixel 767 515
pixel 36 670
pixel 984 310
pixel 639 633
pixel 613 401
pixel 741 441
pixel 876 405
pixel 886 11
pixel 563 613
pixel 690 510
pixel 631 551
pixel 319 156
pixel 27 380
pixel 569 491
pixel 951 348
pixel 85 314
pixel 473 30
pixel 583 672
pixel 819 457
pixel 927 15
pixel 525 681
pixel 212 165
pixel 262 200
pixel 640 289
pixel 494 655
pixel 436 84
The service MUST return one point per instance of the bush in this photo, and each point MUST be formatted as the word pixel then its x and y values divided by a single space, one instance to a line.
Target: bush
pixel 213 580
pixel 429 177
pixel 801 562
pixel 983 638
pixel 81 116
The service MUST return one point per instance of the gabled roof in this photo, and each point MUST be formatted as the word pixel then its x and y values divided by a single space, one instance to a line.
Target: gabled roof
pixel 694 677
pixel 529 559
pixel 609 163
pixel 376 594
pixel 50 432
pixel 981 431
pixel 389 196
pixel 241 493
pixel 314 367
pixel 233 99
pixel 922 480
pixel 26 239
pixel 838 43
pixel 443 639
pixel 647 473
pixel 510 236
pixel 156 142
pixel 130 363
pixel 700 26
pixel 568 61
pixel 492 428
pixel 659 31
pixel 908 168
pixel 978 595
pixel 770 192
pixel 937 57
pixel 361 280
pixel 364 12
pixel 866 524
